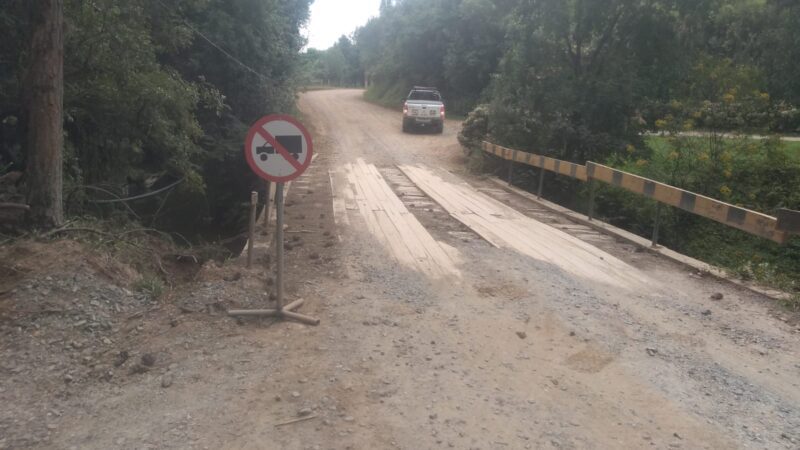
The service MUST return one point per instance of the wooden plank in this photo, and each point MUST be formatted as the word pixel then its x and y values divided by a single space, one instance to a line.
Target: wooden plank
pixel 394 226
pixel 393 207
pixel 506 227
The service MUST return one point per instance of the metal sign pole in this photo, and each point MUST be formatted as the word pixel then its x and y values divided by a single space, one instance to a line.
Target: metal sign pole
pixel 279 243
pixel 267 205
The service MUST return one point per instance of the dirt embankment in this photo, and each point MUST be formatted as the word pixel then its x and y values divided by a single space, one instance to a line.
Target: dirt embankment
pixel 92 325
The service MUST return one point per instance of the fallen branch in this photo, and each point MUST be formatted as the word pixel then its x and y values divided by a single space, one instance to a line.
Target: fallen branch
pixel 21 206
pixel 69 230
pixel 162 233
pixel 301 419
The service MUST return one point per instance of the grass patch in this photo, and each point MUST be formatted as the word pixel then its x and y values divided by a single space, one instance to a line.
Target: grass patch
pixel 661 143
pixel 150 286
pixel 389 96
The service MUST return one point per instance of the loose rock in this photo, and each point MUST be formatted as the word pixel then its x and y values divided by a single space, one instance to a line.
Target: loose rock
pixel 121 358
pixel 166 381
pixel 148 359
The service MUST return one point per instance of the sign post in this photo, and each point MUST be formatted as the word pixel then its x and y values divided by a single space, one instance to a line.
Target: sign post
pixel 279 149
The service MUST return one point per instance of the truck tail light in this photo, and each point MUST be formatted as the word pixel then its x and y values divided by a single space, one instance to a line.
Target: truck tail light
pixel 441 112
pixel 405 109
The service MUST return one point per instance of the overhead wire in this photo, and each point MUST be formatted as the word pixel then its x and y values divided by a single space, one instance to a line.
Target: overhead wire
pixel 214 44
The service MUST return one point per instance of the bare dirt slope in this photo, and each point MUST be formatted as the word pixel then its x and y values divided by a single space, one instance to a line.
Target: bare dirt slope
pixel 446 342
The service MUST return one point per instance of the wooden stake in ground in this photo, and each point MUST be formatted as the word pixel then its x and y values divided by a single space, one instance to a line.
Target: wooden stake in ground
pixel 45 112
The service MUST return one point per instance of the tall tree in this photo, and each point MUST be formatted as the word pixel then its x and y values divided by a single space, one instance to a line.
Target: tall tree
pixel 45 112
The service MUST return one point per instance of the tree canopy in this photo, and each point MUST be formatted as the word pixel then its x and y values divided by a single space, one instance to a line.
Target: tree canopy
pixel 156 91
pixel 583 78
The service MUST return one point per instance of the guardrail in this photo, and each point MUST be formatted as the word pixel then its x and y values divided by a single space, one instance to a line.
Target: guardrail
pixel 777 229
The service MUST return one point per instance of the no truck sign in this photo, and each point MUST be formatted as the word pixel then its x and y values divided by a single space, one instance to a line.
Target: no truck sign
pixel 278 148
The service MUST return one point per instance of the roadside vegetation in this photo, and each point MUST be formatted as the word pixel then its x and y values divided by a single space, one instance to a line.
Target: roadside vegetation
pixel 155 93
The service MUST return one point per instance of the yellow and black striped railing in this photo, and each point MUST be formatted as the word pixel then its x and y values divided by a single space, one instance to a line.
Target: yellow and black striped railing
pixel 567 168
pixel 777 229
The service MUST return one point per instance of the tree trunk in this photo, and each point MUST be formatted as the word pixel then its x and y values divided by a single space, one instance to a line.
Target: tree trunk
pixel 45 113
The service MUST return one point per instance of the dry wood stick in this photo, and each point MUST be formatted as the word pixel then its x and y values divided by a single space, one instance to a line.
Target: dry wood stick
pixel 301 419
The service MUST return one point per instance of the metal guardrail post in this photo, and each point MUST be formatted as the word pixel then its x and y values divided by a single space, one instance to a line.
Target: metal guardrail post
pixel 788 221
pixel 541 183
pixel 510 170
pixel 592 193
pixel 656 224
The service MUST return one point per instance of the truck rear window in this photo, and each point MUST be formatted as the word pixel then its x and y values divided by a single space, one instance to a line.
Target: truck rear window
pixel 425 95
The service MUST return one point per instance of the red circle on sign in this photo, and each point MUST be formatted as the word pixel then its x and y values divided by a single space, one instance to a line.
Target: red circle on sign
pixel 254 130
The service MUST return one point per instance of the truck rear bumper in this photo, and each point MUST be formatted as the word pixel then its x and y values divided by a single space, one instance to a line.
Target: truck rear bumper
pixel 422 122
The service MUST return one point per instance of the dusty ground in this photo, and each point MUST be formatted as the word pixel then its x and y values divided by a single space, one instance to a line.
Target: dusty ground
pixel 503 350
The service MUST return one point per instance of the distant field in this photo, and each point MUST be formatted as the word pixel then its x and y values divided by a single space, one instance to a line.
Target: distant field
pixel 660 143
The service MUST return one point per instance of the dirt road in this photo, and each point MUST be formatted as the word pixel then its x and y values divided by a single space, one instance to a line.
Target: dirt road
pixel 454 315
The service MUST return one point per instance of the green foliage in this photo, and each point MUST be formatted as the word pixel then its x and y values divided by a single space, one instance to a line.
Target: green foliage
pixel 474 129
pixel 161 90
pixel 756 174
pixel 451 44
pixel 151 286
pixel 576 74
pixel 336 66
pixel 390 95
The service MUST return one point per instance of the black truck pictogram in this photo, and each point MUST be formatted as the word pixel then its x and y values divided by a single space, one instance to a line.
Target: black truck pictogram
pixel 292 144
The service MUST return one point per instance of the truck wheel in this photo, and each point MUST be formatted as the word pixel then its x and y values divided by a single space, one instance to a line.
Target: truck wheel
pixel 440 129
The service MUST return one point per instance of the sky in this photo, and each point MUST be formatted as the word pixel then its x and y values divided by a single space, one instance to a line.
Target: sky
pixel 332 18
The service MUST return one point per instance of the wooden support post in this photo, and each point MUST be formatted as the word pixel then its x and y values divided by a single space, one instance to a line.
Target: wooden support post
pixel 251 234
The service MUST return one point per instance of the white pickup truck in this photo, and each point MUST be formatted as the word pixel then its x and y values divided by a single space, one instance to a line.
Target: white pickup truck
pixel 423 109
